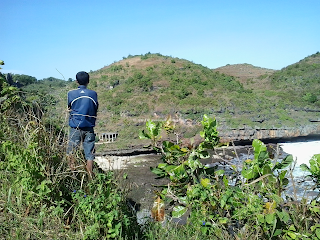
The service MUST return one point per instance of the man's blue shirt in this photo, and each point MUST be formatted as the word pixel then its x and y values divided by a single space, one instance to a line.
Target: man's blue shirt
pixel 83 104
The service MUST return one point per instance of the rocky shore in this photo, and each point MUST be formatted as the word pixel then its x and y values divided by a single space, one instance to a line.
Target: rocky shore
pixel 247 134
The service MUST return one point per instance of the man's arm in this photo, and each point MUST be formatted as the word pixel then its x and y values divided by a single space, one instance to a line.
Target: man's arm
pixel 69 100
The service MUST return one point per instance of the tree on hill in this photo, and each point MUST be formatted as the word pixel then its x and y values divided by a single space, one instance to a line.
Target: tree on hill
pixel 1 75
pixel 23 79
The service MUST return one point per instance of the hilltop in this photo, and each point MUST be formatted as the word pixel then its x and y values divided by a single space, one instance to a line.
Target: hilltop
pixel 244 71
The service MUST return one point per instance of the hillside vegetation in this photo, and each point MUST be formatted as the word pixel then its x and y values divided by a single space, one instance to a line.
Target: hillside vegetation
pixel 153 86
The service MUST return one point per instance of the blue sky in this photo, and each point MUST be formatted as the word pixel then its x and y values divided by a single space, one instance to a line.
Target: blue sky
pixel 41 38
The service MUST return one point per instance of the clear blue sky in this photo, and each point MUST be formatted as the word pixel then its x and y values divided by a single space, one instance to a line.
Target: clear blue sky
pixel 39 37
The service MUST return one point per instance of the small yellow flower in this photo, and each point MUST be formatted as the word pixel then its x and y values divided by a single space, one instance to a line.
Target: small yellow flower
pixel 248 161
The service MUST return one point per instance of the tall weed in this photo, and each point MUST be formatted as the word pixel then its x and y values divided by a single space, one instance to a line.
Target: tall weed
pixel 41 198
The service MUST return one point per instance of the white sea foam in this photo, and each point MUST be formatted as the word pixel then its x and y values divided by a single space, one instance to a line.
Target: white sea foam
pixel 302 151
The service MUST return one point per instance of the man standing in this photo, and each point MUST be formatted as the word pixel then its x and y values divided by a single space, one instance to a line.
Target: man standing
pixel 83 106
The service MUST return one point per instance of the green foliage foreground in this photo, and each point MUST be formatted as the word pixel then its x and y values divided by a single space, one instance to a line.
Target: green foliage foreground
pixel 41 198
pixel 248 203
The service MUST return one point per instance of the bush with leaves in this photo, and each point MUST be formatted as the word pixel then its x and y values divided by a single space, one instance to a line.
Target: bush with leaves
pixel 246 204
pixel 313 169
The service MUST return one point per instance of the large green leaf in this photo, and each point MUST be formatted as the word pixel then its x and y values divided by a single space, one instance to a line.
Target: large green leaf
pixel 163 165
pixel 248 173
pixel 314 167
pixel 251 172
pixel 178 211
pixel 153 128
pixel 161 173
pixel 270 218
pixel 282 174
pixel 304 167
pixel 284 163
pixel 318 233
pixel 176 172
pixel 260 150
pixel 144 135
pixel 219 172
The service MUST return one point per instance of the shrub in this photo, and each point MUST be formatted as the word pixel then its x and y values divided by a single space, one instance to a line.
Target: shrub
pixel 227 206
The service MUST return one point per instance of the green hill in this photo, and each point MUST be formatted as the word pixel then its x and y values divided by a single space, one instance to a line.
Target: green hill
pixel 153 86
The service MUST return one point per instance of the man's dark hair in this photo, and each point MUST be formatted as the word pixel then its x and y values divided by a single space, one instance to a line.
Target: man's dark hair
pixel 82 78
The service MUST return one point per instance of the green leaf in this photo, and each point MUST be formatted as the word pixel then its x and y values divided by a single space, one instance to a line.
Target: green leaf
pixel 223 220
pixel 285 181
pixel 316 157
pixel 159 172
pixel 284 163
pixel 277 232
pixel 151 126
pixel 284 216
pixel 260 149
pixel 178 211
pixel 167 144
pixel 205 182
pixel 183 200
pixel 248 173
pixel 162 165
pixel 314 168
pixel 260 218
pixel 318 233
pixel 266 170
pixel 144 135
pixel 292 228
pixel 193 163
pixel 219 172
pixel 209 133
pixel 176 172
pixel 270 218
pixel 292 235
pixel 203 154
pixel 304 167
pixel 202 134
pixel 315 164
pixel 225 181
pixel 282 175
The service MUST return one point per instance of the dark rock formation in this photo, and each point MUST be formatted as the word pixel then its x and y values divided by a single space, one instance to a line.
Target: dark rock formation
pixel 248 134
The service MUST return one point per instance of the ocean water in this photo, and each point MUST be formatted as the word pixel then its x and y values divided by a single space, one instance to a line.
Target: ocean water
pixel 302 152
